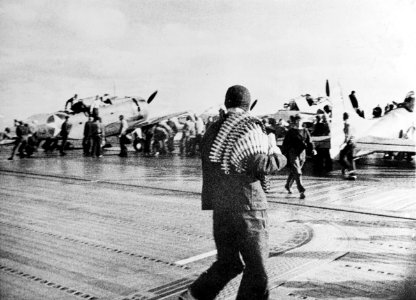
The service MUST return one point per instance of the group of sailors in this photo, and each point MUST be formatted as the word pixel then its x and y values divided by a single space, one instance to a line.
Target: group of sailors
pixel 408 103
pixel 26 141
pixel 159 139
pixel 320 127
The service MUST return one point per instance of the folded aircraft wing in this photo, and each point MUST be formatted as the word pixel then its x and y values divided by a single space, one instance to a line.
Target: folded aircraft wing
pixel 155 120
pixel 369 144
pixel 6 142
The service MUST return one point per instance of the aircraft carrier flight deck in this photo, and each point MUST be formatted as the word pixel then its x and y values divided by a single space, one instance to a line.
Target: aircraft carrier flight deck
pixel 78 227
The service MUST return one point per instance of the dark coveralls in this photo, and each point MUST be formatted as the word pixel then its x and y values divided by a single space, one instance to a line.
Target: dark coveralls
pixel 19 142
pixel 65 129
pixel 123 138
pixel 346 157
pixel 97 134
pixel 323 159
pixel 294 147
pixel 87 140
pixel 240 224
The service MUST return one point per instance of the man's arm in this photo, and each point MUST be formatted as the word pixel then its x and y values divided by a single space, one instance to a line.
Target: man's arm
pixel 265 164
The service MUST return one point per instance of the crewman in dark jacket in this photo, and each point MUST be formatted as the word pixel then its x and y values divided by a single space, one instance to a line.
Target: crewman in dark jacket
pixel 87 140
pixel 296 141
pixel 239 209
pixel 65 129
pixel 19 142
pixel 97 134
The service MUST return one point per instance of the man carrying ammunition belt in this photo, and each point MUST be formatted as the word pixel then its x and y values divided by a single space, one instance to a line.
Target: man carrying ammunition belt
pixel 236 155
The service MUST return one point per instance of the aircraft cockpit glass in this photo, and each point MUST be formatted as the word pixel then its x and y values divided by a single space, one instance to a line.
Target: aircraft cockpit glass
pixel 50 120
pixel 61 116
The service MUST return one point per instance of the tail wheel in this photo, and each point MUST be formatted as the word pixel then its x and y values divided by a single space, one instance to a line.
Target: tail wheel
pixel 137 144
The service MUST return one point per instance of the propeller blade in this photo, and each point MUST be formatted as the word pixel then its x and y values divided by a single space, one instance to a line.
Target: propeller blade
pixel 254 104
pixel 327 88
pixel 152 96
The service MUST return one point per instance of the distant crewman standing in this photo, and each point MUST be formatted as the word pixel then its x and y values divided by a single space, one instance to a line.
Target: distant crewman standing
pixel 19 138
pixel 95 106
pixel 65 129
pixel 87 140
pixel 199 132
pixel 172 123
pixel 346 155
pixel 323 158
pixel 123 137
pixel 353 100
pixel 97 133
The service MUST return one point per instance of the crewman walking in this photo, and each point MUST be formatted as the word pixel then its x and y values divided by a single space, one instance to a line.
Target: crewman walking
pixel 239 208
pixel 296 141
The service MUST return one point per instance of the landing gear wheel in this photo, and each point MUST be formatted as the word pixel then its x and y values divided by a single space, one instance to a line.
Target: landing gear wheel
pixel 137 145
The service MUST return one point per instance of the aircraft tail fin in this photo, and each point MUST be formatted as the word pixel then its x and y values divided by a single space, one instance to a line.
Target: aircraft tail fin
pixel 337 126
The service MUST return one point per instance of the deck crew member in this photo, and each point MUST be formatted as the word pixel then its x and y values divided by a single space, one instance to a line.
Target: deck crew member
pixel 123 137
pixel 87 140
pixel 95 106
pixel 97 134
pixel 65 129
pixel 238 202
pixel 295 144
pixel 346 155
pixel 70 102
pixel 18 143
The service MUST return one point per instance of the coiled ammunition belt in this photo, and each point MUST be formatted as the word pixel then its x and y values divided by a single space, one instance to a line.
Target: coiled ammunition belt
pixel 240 136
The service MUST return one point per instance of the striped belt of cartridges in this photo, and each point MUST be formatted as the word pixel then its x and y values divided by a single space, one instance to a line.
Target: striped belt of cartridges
pixel 240 136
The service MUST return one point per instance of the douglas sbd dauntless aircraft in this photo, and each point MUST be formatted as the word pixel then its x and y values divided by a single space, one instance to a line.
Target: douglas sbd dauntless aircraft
pixel 134 109
pixel 306 106
pixel 393 132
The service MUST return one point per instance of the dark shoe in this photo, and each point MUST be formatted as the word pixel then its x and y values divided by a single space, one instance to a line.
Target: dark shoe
pixel 186 296
pixel 63 154
pixel 289 191
pixel 10 158
pixel 302 195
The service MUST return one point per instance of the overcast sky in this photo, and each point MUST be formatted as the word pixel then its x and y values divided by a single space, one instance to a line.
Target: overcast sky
pixel 192 51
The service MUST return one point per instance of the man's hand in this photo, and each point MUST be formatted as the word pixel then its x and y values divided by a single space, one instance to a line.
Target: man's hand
pixel 273 148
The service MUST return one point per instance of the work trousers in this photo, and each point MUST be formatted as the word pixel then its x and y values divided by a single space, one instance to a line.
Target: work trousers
pixel 123 145
pixel 64 140
pixel 346 158
pixel 171 143
pixel 86 145
pixel 323 161
pixel 242 246
pixel 19 144
pixel 96 145
pixel 295 164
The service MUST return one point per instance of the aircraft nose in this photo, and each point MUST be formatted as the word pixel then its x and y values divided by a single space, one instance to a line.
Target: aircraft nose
pixel 45 131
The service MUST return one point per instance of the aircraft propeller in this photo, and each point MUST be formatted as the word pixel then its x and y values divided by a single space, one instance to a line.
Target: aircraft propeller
pixel 152 96
pixel 327 88
pixel 254 104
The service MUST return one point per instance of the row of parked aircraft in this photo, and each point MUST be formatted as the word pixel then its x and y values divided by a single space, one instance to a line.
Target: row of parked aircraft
pixel 393 132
